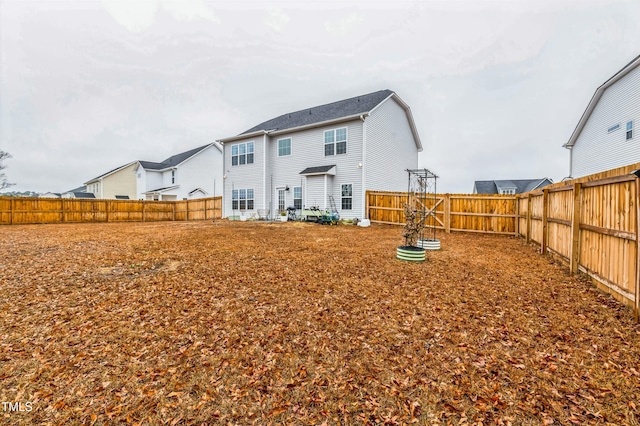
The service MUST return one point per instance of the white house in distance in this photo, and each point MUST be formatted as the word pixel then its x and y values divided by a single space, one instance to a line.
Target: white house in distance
pixel 325 156
pixel 196 173
pixel 606 136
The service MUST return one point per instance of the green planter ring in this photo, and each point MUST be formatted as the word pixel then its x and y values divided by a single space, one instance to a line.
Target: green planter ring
pixel 429 244
pixel 410 253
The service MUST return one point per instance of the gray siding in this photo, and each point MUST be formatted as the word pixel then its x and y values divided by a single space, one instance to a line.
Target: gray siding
pixel 307 150
pixel 246 176
pixel 390 148
pixel 597 150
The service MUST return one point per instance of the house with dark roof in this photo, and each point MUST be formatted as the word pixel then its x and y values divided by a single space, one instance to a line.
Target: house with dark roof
pixel 606 137
pixel 116 184
pixel 195 173
pixel 509 187
pixel 325 156
pixel 79 192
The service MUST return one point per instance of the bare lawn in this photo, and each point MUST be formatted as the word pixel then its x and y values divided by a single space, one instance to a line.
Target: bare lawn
pixel 257 323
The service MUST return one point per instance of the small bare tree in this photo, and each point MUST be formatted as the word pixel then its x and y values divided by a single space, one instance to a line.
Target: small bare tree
pixel 413 226
pixel 3 177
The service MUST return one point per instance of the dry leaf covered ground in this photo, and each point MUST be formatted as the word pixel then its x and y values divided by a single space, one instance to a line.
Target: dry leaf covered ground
pixel 254 323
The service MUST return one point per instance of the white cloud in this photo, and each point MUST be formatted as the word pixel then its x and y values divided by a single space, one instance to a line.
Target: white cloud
pixel 343 26
pixel 136 16
pixel 276 20
pixel 189 10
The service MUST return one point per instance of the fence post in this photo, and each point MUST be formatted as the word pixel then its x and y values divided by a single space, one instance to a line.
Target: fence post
pixel 636 308
pixel 545 219
pixel 12 207
pixel 108 207
pixel 574 260
pixel 173 210
pixel 62 205
pixel 447 213
pixel 187 216
pixel 144 210
pixel 366 205
pixel 529 218
pixel 517 211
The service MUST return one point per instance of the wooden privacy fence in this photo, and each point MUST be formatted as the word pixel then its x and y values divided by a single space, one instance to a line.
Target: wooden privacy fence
pixel 491 214
pixel 20 210
pixel 592 223
pixel 593 226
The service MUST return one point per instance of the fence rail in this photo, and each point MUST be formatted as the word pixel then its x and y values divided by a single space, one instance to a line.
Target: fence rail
pixel 592 223
pixel 491 214
pixel 22 211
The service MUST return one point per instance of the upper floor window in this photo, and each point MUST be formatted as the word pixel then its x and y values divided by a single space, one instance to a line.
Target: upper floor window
pixel 629 130
pixel 284 147
pixel 173 176
pixel 508 191
pixel 242 153
pixel 335 141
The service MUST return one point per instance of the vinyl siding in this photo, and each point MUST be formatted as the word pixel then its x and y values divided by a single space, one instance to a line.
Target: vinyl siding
pixel 390 148
pixel 246 176
pixel 307 150
pixel 595 149
pixel 203 170
pixel 122 182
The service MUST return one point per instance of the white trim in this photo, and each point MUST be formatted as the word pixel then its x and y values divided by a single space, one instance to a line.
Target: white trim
pixel 352 197
pixel 264 170
pixel 363 175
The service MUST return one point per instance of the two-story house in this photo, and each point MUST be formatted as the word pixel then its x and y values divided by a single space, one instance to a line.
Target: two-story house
pixel 606 136
pixel 509 187
pixel 326 156
pixel 119 183
pixel 196 173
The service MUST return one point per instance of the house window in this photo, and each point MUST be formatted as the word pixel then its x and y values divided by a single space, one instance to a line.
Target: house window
pixel 173 176
pixel 510 191
pixel 242 153
pixel 347 196
pixel 284 147
pixel 613 128
pixel 242 199
pixel 335 141
pixel 297 197
pixel 629 130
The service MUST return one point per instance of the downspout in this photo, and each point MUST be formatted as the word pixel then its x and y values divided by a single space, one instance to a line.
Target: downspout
pixel 264 170
pixel 324 202
pixel 363 176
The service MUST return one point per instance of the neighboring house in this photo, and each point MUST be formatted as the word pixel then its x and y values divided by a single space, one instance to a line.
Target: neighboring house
pixel 80 192
pixel 506 187
pixel 119 183
pixel 606 136
pixel 326 157
pixel 196 173
pixel 50 195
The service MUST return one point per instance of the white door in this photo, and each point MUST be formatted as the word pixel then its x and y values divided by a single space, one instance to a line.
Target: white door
pixel 282 200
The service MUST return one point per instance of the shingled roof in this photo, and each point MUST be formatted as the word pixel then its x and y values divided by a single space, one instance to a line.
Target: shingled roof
pixel 520 186
pixel 345 108
pixel 172 161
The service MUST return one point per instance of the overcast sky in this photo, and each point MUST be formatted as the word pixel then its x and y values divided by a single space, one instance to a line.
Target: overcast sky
pixel 496 87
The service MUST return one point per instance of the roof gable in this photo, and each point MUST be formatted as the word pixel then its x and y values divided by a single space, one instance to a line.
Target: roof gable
pixel 318 114
pixel 596 97
pixel 520 185
pixel 174 160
